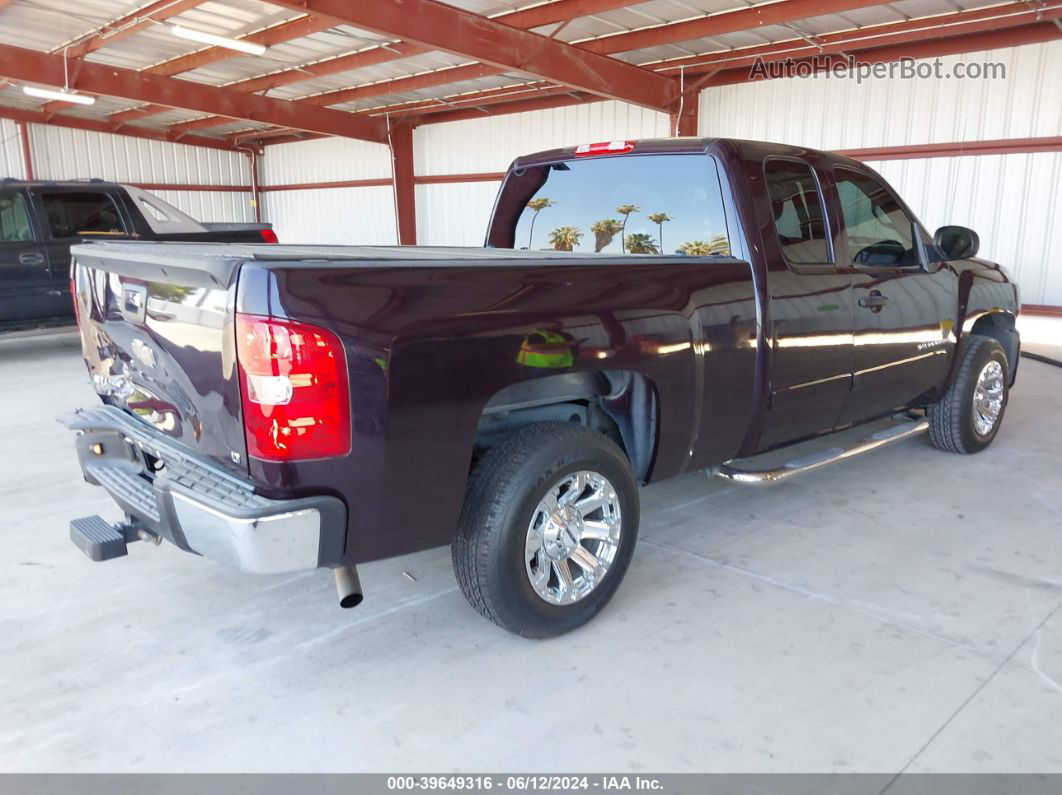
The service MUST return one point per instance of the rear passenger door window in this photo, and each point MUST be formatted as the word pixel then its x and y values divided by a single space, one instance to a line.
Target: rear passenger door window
pixel 797 212
pixel 877 230
pixel 74 214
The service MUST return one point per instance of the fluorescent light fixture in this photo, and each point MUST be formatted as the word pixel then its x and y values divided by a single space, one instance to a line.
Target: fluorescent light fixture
pixel 62 96
pixel 218 41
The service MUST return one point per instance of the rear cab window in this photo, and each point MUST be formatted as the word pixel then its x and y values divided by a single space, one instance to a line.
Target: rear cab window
pixel 797 211
pixel 73 214
pixel 628 204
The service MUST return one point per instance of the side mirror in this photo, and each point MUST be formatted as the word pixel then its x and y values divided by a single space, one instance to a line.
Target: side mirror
pixel 956 242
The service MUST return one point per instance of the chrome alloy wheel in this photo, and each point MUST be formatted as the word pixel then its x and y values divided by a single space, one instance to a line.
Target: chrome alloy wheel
pixel 988 398
pixel 573 537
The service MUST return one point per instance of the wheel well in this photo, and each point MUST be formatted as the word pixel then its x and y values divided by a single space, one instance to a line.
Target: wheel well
pixel 1000 326
pixel 621 404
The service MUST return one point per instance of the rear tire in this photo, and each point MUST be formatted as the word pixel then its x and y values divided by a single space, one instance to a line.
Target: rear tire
pixel 552 497
pixel 968 416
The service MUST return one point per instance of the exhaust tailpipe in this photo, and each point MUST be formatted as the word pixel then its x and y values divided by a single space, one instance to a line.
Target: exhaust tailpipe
pixel 348 585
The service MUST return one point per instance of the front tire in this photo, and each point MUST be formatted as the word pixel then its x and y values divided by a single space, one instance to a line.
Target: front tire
pixel 548 528
pixel 967 418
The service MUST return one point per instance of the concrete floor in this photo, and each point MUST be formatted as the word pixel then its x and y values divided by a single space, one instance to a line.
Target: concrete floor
pixel 899 612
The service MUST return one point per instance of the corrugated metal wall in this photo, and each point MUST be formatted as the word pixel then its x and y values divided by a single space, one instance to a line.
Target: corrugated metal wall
pixel 457 213
pixel 1011 200
pixel 329 215
pixel 62 153
pixel 491 143
pixel 454 214
pixel 10 151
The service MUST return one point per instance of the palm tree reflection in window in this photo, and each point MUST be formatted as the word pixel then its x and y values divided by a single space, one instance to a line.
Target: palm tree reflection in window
pixel 537 206
pixel 640 243
pixel 625 210
pixel 716 246
pixel 565 238
pixel 660 219
pixel 604 231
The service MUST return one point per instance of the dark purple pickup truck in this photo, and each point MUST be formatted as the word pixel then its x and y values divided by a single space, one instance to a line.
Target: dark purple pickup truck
pixel 278 408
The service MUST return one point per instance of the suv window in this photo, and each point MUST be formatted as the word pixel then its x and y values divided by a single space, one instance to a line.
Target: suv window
pixel 879 232
pixel 76 214
pixel 14 219
pixel 799 217
pixel 633 204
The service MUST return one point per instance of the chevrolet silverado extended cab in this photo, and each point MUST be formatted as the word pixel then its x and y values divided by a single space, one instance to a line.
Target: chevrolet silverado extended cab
pixel 40 220
pixel 278 408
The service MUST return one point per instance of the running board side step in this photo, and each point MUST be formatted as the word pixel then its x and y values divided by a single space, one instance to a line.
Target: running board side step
pixel 903 430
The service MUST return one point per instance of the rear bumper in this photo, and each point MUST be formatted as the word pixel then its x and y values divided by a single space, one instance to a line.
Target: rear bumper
pixel 171 492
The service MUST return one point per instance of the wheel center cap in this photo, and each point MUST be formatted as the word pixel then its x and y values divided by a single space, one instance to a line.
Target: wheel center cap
pixel 562 532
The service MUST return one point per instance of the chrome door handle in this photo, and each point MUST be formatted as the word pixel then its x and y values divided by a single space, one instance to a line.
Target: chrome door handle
pixel 31 258
pixel 875 301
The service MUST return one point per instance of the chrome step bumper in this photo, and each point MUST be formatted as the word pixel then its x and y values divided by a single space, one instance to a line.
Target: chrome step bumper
pixel 170 492
pixel 902 430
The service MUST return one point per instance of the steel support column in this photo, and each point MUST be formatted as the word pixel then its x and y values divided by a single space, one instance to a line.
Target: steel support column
pixel 402 170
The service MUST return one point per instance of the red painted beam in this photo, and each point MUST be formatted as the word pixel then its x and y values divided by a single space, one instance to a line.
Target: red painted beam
pixel 27 155
pixel 79 123
pixel 925 29
pixel 402 171
pixel 776 13
pixel 937 45
pixel 1007 37
pixel 21 64
pixel 276 34
pixel 350 183
pixel 546 14
pixel 522 106
pixel 772 13
pixel 432 24
pixel 452 74
pixel 1000 146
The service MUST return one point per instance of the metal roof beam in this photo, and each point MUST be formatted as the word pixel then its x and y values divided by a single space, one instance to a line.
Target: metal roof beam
pixel 546 14
pixel 441 27
pixel 79 123
pixel 777 13
pixel 930 48
pixel 17 63
pixel 119 29
pixel 723 22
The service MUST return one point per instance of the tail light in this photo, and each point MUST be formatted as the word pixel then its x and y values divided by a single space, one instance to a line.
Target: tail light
pixel 293 381
pixel 604 148
pixel 268 236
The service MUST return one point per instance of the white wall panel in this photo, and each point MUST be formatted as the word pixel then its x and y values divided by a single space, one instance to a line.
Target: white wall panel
pixel 1013 201
pixel 455 213
pixel 490 144
pixel 63 153
pixel 11 164
pixel 324 160
pixel 347 216
pixel 831 113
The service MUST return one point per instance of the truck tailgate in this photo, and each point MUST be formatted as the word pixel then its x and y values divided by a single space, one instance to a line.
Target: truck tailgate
pixel 157 336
